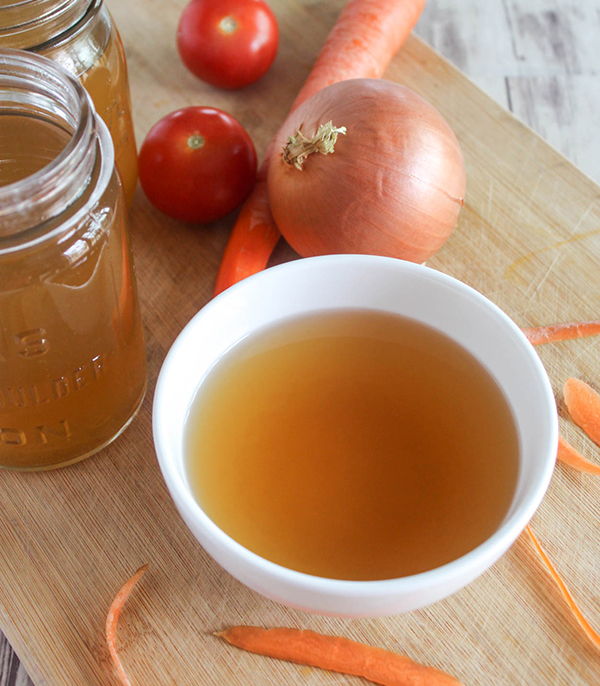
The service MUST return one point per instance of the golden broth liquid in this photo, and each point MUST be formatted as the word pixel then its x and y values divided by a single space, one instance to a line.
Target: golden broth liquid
pixel 353 445
pixel 108 85
pixel 72 356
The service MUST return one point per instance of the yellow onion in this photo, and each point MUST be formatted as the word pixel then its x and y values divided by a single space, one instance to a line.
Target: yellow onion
pixel 366 166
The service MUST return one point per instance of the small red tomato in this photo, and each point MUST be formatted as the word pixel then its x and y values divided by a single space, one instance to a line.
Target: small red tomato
pixel 197 164
pixel 228 43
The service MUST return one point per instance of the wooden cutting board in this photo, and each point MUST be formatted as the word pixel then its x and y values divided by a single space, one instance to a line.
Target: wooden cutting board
pixel 528 238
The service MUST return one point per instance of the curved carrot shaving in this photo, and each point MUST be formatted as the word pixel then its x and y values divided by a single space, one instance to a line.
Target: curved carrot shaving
pixel 561 332
pixel 583 404
pixel 337 655
pixel 577 613
pixel 112 621
pixel 363 40
pixel 569 456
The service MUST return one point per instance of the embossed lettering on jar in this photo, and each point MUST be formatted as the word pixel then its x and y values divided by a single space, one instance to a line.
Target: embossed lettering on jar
pixel 72 358
pixel 81 36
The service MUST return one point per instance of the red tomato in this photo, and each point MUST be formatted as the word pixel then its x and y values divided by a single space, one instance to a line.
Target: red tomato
pixel 197 164
pixel 228 43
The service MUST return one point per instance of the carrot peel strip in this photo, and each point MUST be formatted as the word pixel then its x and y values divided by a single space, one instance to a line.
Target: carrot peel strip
pixel 569 456
pixel 537 335
pixel 577 613
pixel 583 404
pixel 112 621
pixel 337 655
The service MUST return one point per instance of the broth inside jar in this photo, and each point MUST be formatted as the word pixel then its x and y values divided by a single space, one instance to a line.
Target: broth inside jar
pixel 108 85
pixel 72 354
pixel 20 135
pixel 352 445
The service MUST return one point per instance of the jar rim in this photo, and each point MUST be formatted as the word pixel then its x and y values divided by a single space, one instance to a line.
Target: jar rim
pixel 58 17
pixel 33 79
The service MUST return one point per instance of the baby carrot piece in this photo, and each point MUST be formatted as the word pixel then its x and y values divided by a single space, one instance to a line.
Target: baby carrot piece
pixel 578 614
pixel 112 621
pixel 561 332
pixel 569 456
pixel 363 40
pixel 336 654
pixel 583 404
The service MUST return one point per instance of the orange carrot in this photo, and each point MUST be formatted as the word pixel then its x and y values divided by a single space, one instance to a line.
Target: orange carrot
pixel 337 655
pixel 112 621
pixel 583 404
pixel 364 39
pixel 252 239
pixel 561 332
pixel 577 613
pixel 569 456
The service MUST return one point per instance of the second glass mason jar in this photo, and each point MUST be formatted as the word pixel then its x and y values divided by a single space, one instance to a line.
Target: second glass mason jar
pixel 81 36
pixel 72 355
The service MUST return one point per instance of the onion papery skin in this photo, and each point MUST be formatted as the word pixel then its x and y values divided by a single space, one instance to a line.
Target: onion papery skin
pixel 394 185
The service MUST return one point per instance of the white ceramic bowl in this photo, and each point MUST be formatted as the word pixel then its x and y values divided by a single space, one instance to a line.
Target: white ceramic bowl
pixel 378 283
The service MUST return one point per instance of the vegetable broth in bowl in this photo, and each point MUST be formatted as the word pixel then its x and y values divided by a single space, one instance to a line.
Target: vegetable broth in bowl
pixel 354 435
pixel 352 444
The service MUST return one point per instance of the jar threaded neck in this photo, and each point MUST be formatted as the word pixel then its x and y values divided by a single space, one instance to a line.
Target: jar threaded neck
pixel 34 86
pixel 27 24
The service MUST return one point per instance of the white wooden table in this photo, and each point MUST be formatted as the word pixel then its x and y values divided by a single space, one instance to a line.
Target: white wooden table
pixel 537 58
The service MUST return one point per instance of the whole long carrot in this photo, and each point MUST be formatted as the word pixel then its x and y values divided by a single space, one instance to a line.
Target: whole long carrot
pixel 364 39
pixel 337 655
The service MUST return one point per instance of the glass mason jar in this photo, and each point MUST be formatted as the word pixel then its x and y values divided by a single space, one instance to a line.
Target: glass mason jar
pixel 72 357
pixel 81 36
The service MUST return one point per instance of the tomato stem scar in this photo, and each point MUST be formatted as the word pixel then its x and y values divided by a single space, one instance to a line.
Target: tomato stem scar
pixel 196 141
pixel 228 25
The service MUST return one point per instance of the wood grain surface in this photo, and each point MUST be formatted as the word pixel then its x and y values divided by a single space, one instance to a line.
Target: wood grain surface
pixel 527 238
